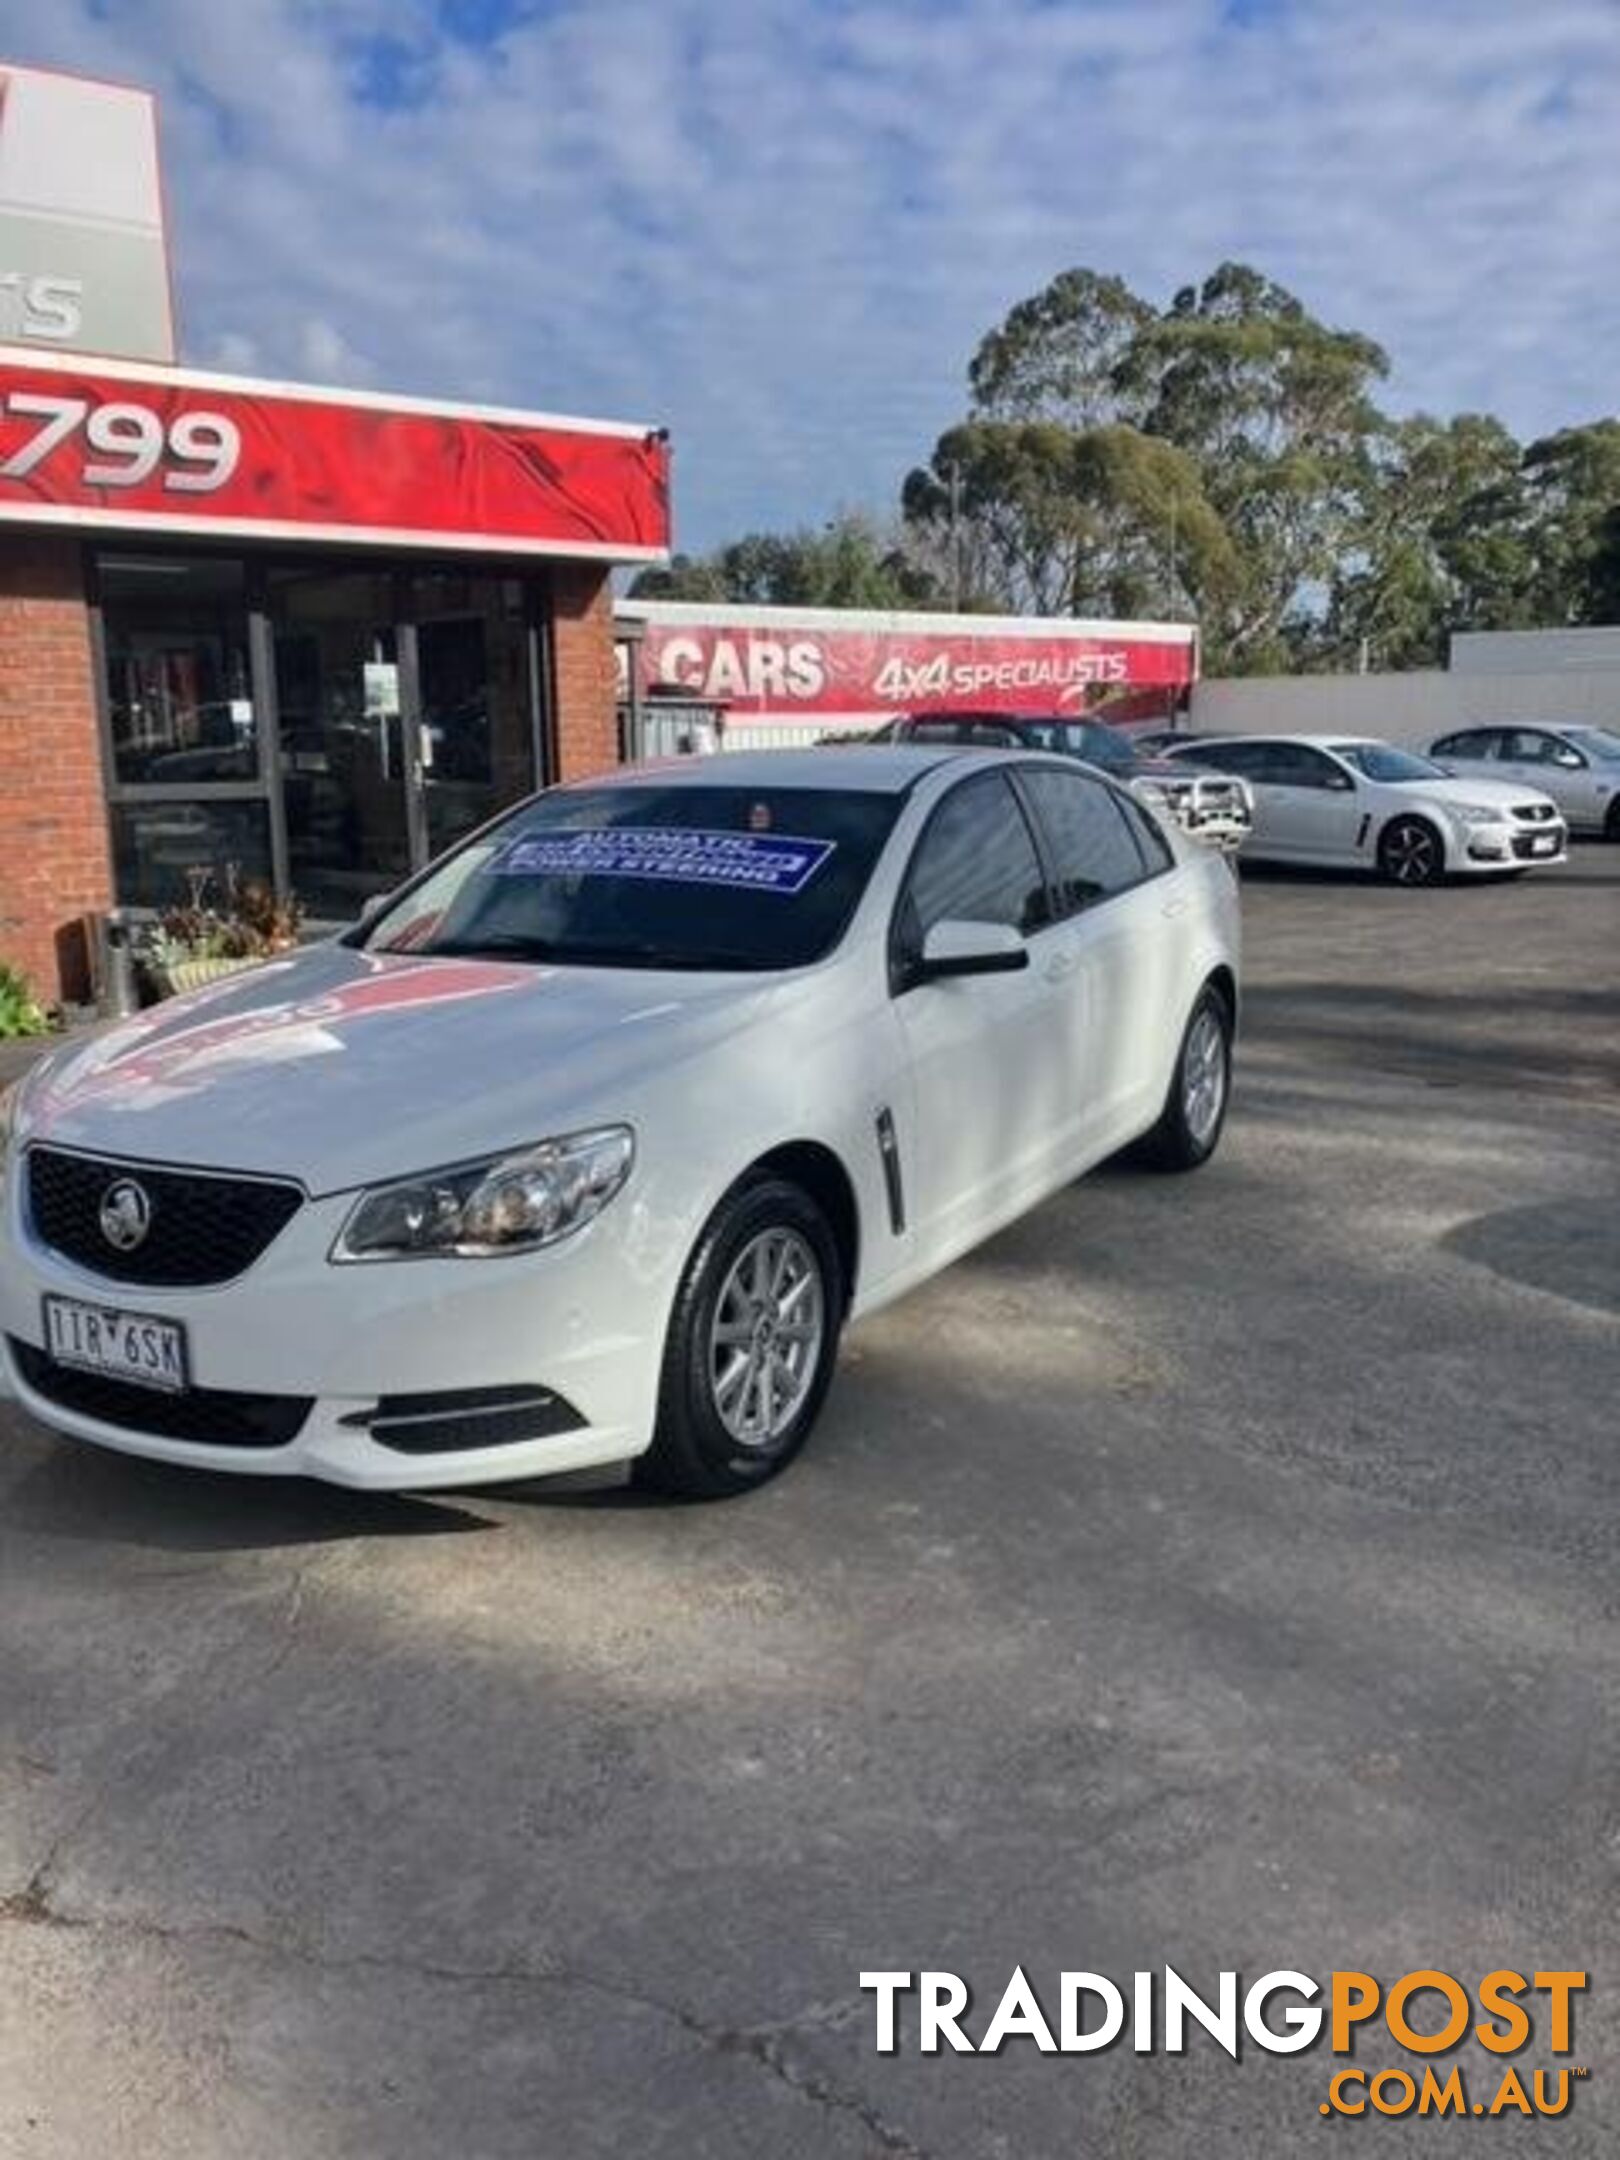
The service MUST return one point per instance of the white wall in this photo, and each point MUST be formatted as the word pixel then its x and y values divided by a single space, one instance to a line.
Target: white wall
pixel 1534 652
pixel 1409 708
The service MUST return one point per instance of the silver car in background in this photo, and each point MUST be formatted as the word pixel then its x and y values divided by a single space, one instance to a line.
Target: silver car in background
pixel 1577 765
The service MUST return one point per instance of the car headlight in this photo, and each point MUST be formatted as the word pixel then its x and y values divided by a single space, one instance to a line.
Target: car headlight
pixel 1477 814
pixel 511 1203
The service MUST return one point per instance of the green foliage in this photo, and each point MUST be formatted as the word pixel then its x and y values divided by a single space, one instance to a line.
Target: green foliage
pixel 1601 591
pixel 1225 455
pixel 20 1011
pixel 1573 483
pixel 686 577
pixel 1445 543
pixel 1070 521
pixel 1058 355
pixel 848 564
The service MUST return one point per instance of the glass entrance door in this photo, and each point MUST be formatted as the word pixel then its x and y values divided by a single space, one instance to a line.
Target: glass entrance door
pixel 346 736
pixel 473 671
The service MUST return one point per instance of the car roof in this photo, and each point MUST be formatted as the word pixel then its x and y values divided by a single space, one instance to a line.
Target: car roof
pixel 984 716
pixel 1340 736
pixel 867 768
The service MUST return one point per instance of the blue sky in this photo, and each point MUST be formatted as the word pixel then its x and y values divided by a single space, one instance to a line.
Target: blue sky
pixel 780 226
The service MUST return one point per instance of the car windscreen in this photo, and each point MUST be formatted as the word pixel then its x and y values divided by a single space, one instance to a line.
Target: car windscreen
pixel 652 876
pixel 1600 743
pixel 1382 761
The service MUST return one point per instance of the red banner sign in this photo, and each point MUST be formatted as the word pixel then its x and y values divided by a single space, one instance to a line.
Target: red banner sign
pixel 870 666
pixel 164 450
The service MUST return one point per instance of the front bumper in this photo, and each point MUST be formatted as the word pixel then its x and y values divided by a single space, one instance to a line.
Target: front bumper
pixel 1512 845
pixel 1216 810
pixel 373 1347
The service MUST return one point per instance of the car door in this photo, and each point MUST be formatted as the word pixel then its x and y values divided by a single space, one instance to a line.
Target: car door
pixel 1538 759
pixel 978 1138
pixel 1313 804
pixel 1123 997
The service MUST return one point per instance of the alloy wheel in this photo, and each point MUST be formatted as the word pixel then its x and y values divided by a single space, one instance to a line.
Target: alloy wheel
pixel 766 1338
pixel 1203 1076
pixel 1411 855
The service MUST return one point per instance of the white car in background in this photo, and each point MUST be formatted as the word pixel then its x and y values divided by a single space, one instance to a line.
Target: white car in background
pixel 1335 800
pixel 587 1143
pixel 1579 767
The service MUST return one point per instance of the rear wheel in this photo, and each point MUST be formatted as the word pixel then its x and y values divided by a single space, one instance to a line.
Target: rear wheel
pixel 752 1344
pixel 1411 852
pixel 1189 1127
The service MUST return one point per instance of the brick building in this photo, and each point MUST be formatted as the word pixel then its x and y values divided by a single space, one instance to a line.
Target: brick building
pixel 286 633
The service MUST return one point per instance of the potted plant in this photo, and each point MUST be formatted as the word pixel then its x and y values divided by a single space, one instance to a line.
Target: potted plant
pixel 21 1013
pixel 197 942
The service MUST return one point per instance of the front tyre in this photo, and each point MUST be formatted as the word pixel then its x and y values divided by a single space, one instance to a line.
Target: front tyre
pixel 752 1343
pixel 1189 1127
pixel 1411 852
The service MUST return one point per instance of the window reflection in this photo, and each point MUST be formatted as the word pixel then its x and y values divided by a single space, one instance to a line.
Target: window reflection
pixel 477 738
pixel 179 688
pixel 167 854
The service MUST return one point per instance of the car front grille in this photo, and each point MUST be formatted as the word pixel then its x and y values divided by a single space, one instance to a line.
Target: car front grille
pixel 203 1226
pixel 1534 813
pixel 1526 846
pixel 213 1417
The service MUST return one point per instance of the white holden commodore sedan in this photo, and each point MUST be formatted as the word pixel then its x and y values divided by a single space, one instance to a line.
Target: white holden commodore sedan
pixel 588 1142
pixel 1338 801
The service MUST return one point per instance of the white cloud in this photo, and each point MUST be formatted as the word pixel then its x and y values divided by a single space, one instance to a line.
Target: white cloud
pixel 781 227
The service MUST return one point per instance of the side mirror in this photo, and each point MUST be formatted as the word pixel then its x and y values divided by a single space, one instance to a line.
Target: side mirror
pixel 372 906
pixel 1570 758
pixel 971 948
pixel 1341 783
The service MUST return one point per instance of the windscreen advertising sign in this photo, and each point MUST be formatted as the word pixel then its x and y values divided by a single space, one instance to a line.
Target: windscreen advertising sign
pixel 812 664
pixel 103 444
pixel 84 265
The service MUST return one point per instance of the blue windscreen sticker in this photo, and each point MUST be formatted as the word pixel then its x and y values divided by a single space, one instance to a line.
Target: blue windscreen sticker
pixel 742 862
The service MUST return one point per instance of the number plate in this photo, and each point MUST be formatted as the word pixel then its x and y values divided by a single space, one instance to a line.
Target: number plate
pixel 123 1345
pixel 1544 844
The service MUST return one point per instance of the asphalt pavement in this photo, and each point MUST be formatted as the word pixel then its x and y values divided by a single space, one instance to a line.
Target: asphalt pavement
pixel 1216 1571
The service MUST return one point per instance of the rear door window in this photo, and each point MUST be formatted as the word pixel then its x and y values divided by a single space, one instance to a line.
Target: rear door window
pixel 1094 851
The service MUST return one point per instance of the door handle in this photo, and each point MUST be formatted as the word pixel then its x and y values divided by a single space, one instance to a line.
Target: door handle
pixel 1172 908
pixel 1061 965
